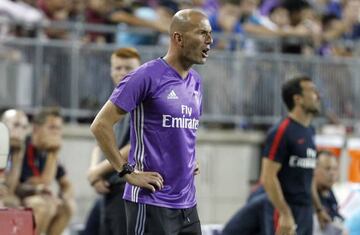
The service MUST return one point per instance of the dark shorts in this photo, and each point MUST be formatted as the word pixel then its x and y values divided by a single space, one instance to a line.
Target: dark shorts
pixel 145 219
pixel 258 217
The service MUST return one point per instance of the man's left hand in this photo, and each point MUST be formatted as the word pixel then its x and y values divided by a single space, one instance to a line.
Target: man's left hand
pixel 323 218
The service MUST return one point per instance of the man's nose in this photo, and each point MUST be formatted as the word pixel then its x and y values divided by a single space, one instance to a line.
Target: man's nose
pixel 210 40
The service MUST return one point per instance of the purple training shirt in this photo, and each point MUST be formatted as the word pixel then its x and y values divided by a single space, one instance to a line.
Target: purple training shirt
pixel 165 111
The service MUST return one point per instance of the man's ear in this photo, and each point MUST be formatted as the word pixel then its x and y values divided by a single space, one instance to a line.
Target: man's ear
pixel 178 38
pixel 297 99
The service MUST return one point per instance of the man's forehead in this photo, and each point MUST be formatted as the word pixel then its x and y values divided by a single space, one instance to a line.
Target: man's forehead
pixel 187 20
pixel 51 119
pixel 203 24
pixel 20 119
pixel 14 116
pixel 120 60
pixel 308 84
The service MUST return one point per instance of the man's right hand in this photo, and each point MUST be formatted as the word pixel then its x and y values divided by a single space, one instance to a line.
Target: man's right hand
pixel 15 144
pixel 286 225
pixel 149 180
pixel 51 144
pixel 101 186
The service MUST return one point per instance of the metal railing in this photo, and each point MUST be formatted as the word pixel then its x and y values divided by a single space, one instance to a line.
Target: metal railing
pixel 121 33
pixel 238 87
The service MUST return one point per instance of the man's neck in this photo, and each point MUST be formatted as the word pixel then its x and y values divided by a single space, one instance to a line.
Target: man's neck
pixel 301 117
pixel 35 141
pixel 176 64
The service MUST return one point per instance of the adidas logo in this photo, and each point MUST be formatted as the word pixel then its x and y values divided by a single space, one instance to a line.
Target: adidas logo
pixel 172 95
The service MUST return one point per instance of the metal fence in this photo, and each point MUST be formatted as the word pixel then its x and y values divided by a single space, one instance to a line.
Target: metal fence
pixel 238 87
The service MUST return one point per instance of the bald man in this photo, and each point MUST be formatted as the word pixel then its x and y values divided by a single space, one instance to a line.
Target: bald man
pixel 164 99
pixel 18 123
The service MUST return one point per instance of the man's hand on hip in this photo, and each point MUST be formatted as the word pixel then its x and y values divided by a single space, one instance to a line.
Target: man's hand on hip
pixel 149 180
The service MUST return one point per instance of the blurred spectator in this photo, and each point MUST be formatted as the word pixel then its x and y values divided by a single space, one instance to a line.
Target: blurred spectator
pixel 305 24
pixel 331 23
pixel 16 14
pixel 324 7
pixel 52 210
pixel 251 20
pixel 267 5
pixel 278 18
pixel 256 25
pixel 30 2
pixel 226 20
pixel 209 6
pixel 20 12
pixel 55 10
pixel 18 124
pixel 76 9
pixel 350 26
pixel 157 18
pixel 97 12
pixel 326 174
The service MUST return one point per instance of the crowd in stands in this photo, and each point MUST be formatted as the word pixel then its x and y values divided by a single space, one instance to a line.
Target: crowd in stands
pixel 314 26
pixel 33 167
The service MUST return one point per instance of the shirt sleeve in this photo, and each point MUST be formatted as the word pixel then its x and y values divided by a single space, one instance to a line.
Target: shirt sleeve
pixel 131 91
pixel 276 143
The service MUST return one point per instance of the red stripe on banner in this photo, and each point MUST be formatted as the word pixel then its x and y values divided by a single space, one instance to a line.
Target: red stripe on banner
pixel 279 134
pixel 31 160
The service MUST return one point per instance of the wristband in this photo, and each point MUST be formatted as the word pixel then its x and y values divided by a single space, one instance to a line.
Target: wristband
pixel 126 169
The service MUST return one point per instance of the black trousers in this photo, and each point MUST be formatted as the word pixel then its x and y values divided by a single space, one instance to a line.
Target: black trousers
pixel 145 219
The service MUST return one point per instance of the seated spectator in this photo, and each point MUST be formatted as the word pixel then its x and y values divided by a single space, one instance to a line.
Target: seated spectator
pixel 326 174
pixel 17 123
pixel 257 213
pixel 52 210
